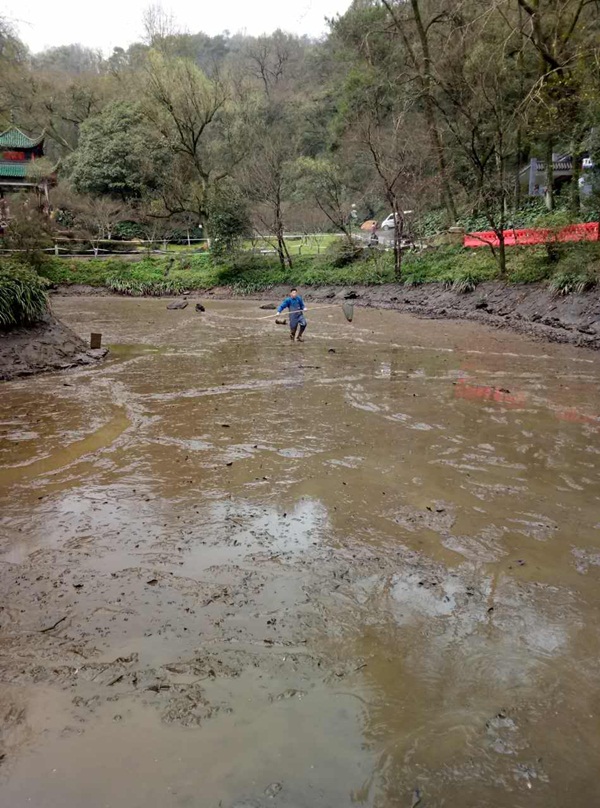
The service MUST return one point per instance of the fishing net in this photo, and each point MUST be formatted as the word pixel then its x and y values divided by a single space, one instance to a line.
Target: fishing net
pixel 348 309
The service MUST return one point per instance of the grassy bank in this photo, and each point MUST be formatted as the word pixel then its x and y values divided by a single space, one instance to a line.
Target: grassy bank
pixel 23 298
pixel 574 268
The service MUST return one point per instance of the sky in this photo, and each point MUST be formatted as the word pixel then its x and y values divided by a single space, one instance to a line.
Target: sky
pixel 44 23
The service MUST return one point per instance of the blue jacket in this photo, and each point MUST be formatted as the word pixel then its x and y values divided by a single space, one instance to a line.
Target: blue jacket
pixel 293 304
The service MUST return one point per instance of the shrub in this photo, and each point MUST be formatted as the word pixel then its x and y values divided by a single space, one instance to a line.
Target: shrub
pixel 569 281
pixel 466 281
pixel 23 299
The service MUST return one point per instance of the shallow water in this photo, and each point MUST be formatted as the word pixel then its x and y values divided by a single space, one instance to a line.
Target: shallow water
pixel 241 572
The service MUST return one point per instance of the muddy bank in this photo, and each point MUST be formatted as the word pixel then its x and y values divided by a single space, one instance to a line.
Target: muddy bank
pixel 530 309
pixel 49 345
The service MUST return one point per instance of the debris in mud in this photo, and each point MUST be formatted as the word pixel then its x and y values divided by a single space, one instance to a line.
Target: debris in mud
pixel 331 350
pixel 273 790
pixel 280 321
pixel 54 625
pixel 416 798
pixel 200 307
pixel 152 582
pixel 439 517
pixel 352 295
pixel 177 304
pixel 288 694
pixel 268 306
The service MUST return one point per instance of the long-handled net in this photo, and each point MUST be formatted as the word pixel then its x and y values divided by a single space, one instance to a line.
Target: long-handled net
pixel 347 308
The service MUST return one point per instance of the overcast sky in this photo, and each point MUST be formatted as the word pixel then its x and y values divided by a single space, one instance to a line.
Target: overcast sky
pixel 104 24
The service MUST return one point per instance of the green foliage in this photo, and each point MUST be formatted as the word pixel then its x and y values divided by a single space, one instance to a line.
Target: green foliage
pixel 23 298
pixel 229 221
pixel 342 254
pixel 130 230
pixel 570 281
pixel 29 232
pixel 119 154
pixel 578 269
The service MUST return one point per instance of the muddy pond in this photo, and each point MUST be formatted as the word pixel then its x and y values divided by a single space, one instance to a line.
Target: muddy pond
pixel 236 572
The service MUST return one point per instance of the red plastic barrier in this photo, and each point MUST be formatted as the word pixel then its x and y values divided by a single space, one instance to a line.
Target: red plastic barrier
pixel 590 231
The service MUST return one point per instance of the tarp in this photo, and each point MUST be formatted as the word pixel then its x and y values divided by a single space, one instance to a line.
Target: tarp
pixel 535 235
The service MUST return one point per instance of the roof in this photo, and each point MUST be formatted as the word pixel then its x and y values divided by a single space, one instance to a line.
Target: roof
pixel 13 138
pixel 11 169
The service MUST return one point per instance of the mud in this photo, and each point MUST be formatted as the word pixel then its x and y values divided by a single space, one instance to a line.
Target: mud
pixel 530 309
pixel 238 571
pixel 49 345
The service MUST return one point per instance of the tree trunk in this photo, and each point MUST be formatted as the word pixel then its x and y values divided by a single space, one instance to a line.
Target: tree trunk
pixel 282 250
pixel 398 232
pixel 501 254
pixel 549 174
pixel 517 197
pixel 434 132
pixel 574 197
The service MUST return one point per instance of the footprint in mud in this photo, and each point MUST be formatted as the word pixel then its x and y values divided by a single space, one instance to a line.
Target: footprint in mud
pixel 438 517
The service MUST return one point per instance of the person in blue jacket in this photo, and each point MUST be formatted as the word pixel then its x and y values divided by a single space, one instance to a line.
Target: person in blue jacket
pixel 297 319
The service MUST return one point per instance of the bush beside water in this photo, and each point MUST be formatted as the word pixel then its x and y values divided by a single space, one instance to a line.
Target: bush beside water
pixel 23 299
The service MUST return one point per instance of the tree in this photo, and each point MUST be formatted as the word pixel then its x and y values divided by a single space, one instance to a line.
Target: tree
pixel 418 55
pixel 478 95
pixel 159 26
pixel 29 231
pixel 94 217
pixel 195 117
pixel 565 35
pixel 229 220
pixel 72 59
pixel 119 154
pixel 322 181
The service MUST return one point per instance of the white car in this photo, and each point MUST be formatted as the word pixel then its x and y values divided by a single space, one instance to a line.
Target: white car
pixel 388 224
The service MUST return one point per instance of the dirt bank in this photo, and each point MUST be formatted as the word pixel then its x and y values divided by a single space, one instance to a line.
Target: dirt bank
pixel 49 345
pixel 530 309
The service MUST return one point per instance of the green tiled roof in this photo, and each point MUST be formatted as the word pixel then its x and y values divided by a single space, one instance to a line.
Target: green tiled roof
pixel 13 138
pixel 13 169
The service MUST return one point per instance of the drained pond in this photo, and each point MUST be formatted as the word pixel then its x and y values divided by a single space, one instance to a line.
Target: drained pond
pixel 241 572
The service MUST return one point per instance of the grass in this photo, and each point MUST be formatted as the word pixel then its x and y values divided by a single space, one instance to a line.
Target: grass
pixel 23 298
pixel 575 268
pixel 300 245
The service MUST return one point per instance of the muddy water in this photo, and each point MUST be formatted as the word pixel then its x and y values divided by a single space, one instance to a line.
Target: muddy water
pixel 241 572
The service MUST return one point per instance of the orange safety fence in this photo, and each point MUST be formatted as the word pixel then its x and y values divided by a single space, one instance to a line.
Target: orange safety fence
pixel 589 231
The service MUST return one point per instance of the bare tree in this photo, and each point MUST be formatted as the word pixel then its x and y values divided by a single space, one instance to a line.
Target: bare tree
pixel 195 117
pixel 419 57
pixel 94 217
pixel 159 26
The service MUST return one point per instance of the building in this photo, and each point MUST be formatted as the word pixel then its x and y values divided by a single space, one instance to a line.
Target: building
pixel 534 174
pixel 18 155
